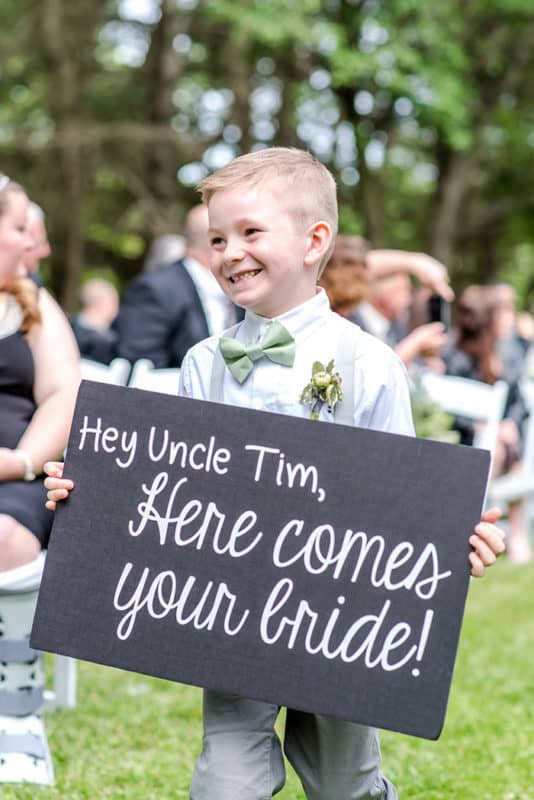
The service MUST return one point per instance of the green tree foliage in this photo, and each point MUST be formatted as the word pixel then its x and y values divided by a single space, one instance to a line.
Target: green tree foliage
pixel 111 111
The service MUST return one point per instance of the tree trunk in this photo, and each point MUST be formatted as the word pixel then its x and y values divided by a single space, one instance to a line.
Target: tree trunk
pixel 163 67
pixel 65 33
pixel 371 194
pixel 456 172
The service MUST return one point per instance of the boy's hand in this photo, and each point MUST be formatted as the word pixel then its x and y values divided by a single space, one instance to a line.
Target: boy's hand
pixel 487 541
pixel 58 487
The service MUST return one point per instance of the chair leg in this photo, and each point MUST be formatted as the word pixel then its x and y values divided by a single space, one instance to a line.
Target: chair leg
pixel 65 682
pixel 63 693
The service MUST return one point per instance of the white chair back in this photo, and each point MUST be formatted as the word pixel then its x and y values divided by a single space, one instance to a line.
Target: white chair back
pixel 115 373
pixel 478 401
pixel 146 376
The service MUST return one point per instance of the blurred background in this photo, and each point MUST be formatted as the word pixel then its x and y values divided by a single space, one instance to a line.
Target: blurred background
pixel 111 111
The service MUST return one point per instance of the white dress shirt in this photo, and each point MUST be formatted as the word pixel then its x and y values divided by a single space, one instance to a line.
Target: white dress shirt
pixel 381 394
pixel 218 309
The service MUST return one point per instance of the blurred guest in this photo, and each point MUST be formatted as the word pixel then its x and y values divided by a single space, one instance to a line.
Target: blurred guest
pixel 346 276
pixel 96 339
pixel 164 250
pixel 525 334
pixel 426 270
pixel 473 352
pixel 40 247
pixel 167 310
pixel 505 322
pixel 380 306
pixel 525 328
pixel 385 314
pixel 39 378
pixel 504 316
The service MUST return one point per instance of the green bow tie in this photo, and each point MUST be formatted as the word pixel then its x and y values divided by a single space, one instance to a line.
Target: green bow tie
pixel 277 344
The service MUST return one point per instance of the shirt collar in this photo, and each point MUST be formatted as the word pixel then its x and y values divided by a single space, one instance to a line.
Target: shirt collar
pixel 299 321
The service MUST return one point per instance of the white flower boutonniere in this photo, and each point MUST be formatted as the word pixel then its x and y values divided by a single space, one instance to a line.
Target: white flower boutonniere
pixel 324 387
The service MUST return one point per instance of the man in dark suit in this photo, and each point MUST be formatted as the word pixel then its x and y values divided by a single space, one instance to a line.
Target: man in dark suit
pixel 91 326
pixel 167 310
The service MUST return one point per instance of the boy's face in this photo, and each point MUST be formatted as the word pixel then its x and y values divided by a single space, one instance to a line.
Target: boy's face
pixel 260 252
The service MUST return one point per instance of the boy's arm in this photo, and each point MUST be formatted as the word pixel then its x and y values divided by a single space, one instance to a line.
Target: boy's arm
pixel 428 271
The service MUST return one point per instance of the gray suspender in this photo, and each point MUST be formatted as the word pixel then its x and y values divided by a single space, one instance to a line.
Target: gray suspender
pixel 347 348
pixel 217 370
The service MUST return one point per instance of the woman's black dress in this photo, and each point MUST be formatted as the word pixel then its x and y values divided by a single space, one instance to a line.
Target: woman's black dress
pixel 23 500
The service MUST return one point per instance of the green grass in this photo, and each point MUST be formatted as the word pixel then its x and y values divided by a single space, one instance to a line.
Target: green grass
pixel 136 737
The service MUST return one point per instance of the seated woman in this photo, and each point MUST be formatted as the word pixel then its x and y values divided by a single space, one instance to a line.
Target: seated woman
pixel 473 352
pixel 39 376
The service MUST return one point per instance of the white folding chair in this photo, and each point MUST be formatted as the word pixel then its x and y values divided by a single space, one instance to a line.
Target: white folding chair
pixel 146 376
pixel 480 402
pixel 115 373
pixel 63 691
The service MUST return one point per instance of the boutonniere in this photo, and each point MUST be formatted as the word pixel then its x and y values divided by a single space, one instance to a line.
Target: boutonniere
pixel 324 387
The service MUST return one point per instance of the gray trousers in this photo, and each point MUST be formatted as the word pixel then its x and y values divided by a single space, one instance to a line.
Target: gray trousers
pixel 242 759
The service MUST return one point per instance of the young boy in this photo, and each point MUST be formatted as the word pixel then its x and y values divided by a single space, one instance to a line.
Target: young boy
pixel 273 218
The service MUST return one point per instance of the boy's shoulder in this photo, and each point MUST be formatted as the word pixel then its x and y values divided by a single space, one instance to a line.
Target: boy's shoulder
pixel 206 347
pixel 368 347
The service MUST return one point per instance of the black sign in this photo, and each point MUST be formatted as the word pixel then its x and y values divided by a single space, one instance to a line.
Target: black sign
pixel 316 566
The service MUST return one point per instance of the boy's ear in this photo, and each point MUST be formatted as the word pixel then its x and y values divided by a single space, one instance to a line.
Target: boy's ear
pixel 319 239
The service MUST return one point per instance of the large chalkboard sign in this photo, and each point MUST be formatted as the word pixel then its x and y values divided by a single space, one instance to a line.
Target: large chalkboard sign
pixel 315 566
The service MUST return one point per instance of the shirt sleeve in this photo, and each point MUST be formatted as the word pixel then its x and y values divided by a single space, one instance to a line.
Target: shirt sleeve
pixel 195 372
pixel 381 378
pixel 185 388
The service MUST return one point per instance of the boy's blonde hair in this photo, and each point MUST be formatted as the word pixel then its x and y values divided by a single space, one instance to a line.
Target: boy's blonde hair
pixel 309 191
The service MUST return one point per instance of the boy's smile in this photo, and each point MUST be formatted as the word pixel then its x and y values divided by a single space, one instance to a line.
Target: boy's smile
pixel 240 276
pixel 260 252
